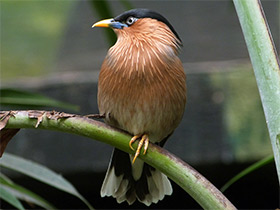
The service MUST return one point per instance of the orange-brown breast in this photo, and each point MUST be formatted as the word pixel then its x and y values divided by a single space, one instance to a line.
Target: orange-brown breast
pixel 142 85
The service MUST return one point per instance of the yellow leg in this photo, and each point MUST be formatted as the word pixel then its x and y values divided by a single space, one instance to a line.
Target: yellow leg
pixel 144 140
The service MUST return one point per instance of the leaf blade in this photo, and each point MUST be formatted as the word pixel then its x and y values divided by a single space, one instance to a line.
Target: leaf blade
pixel 266 65
pixel 40 173
pixel 247 171
pixel 10 198
pixel 25 194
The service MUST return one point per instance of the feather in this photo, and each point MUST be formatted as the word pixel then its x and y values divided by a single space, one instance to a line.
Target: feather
pixel 121 182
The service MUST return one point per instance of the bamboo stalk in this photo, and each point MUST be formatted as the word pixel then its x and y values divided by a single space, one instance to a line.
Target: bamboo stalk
pixel 265 62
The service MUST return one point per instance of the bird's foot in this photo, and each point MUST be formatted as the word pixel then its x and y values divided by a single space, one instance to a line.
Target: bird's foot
pixel 144 141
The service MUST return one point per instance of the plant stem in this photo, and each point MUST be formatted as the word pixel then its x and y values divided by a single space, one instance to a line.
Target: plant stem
pixel 248 170
pixel 206 194
pixel 266 66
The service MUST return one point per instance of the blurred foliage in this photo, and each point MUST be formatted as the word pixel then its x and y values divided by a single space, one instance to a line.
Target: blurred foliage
pixel 126 4
pixel 243 113
pixel 31 33
pixel 19 99
pixel 104 11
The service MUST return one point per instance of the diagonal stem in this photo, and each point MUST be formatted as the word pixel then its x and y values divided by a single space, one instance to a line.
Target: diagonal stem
pixel 205 193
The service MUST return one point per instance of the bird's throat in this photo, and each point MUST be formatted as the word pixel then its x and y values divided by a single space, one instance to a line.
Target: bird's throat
pixel 140 57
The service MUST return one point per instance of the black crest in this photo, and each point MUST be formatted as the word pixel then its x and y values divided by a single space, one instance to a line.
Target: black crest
pixel 145 13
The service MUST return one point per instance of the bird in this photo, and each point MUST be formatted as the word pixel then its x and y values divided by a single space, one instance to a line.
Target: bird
pixel 141 90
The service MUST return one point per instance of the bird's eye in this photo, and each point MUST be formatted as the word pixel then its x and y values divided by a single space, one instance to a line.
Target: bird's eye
pixel 130 20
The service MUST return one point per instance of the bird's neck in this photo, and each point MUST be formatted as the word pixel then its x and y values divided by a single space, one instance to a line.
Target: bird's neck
pixel 142 54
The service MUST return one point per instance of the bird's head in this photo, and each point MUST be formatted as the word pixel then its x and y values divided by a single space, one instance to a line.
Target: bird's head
pixel 139 22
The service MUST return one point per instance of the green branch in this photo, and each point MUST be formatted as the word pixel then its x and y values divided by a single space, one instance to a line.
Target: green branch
pixel 184 175
pixel 266 66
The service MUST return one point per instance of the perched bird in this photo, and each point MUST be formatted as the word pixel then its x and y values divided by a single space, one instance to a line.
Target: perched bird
pixel 142 90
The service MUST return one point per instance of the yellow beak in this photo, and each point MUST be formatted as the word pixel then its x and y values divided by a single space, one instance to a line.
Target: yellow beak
pixel 103 23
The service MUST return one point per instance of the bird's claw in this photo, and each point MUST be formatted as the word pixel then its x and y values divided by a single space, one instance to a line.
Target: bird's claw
pixel 133 139
pixel 144 140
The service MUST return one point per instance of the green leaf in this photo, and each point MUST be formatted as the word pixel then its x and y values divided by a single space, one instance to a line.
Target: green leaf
pixel 265 61
pixel 247 171
pixel 4 177
pixel 10 198
pixel 40 173
pixel 13 97
pixel 24 194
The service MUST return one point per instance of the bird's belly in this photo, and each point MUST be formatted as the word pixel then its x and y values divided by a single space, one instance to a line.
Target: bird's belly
pixel 142 111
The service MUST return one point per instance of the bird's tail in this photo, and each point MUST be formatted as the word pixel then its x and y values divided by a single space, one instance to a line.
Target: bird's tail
pixel 127 182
